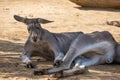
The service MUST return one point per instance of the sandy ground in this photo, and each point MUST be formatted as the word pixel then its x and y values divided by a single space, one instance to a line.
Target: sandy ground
pixel 67 17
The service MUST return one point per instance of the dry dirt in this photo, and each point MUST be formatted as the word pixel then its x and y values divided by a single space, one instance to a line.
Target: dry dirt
pixel 67 17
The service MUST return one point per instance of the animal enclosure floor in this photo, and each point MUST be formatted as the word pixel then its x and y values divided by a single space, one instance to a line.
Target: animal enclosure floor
pixel 67 17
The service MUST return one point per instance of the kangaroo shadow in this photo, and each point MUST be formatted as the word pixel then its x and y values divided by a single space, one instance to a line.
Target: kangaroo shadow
pixel 7 46
pixel 10 61
pixel 98 72
pixel 98 9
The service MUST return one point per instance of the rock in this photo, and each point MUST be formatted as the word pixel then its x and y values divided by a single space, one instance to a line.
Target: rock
pixel 98 3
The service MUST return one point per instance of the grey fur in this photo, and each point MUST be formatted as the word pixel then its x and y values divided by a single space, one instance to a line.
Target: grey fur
pixel 83 49
pixel 102 44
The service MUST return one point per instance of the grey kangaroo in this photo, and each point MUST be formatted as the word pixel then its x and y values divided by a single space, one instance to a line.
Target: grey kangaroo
pixel 43 42
pixel 83 49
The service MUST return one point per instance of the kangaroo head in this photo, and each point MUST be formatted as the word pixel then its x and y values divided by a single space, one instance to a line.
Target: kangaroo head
pixel 33 25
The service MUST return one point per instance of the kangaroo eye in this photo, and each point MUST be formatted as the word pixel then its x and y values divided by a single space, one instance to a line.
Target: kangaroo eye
pixel 28 29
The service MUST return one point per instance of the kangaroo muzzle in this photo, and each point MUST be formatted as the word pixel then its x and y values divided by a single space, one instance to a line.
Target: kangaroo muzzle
pixel 34 39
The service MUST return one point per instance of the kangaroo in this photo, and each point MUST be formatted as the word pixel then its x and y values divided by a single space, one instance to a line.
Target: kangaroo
pixel 43 42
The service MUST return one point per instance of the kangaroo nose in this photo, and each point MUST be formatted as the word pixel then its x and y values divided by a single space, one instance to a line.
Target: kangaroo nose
pixel 34 38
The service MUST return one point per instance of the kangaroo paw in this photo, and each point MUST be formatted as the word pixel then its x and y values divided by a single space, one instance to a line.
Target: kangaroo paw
pixel 57 63
pixel 30 65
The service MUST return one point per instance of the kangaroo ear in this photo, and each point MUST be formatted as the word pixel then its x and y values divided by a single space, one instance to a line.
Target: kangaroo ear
pixel 43 21
pixel 18 18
